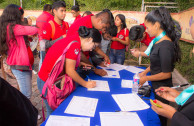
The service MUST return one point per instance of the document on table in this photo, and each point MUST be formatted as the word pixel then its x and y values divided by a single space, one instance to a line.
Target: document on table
pixel 100 86
pixel 130 102
pixel 112 74
pixel 120 119
pixel 129 83
pixel 82 106
pixel 67 121
pixel 116 67
pixel 134 69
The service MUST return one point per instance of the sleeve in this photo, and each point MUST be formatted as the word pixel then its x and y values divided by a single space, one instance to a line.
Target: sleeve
pixel 49 43
pixel 20 30
pixel 166 58
pixel 46 32
pixel 73 51
pixel 127 33
pixel 179 119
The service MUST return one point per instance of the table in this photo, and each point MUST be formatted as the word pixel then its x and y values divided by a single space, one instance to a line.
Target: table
pixel 106 102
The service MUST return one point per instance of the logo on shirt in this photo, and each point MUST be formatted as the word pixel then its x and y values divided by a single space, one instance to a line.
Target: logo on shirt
pixel 76 51
pixel 44 32
pixel 121 36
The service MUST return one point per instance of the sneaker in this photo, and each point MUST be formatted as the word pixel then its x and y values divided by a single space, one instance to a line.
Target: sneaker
pixel 34 71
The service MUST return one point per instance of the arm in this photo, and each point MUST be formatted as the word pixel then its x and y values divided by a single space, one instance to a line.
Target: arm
pixel 20 30
pixel 49 43
pixel 100 52
pixel 125 42
pixel 70 70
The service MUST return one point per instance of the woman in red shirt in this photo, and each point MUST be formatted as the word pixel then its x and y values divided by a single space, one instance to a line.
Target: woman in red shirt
pixel 87 40
pixel 117 51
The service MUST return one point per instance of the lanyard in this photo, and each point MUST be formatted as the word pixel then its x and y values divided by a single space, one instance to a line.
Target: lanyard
pixel 148 50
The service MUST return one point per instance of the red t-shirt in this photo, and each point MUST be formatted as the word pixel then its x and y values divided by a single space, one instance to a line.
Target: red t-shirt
pixel 84 21
pixel 42 20
pixel 56 51
pixel 147 38
pixel 59 30
pixel 121 35
pixel 78 17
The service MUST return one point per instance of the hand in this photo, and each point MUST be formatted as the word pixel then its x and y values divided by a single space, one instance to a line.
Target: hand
pixel 142 74
pixel 90 84
pixel 135 53
pixel 100 72
pixel 166 110
pixel 102 64
pixel 84 64
pixel 114 39
pixel 142 80
pixel 106 59
pixel 167 93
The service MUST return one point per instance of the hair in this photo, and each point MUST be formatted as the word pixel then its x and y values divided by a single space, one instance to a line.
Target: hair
pixel 122 18
pixel 136 32
pixel 112 31
pixel 58 4
pixel 163 17
pixel 12 15
pixel 47 7
pixel 105 17
pixel 87 12
pixel 75 8
pixel 112 22
pixel 93 33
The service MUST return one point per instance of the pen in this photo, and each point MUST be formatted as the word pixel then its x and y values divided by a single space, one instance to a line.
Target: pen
pixel 182 85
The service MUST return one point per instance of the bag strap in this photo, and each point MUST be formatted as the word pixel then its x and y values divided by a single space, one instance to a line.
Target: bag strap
pixel 53 29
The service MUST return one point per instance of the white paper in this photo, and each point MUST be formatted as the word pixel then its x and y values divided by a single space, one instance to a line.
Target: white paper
pixel 100 86
pixel 130 102
pixel 112 74
pixel 120 119
pixel 116 67
pixel 134 69
pixel 67 121
pixel 126 83
pixel 82 106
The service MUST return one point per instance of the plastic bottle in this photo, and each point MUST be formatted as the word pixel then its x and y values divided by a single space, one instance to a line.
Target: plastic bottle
pixel 135 83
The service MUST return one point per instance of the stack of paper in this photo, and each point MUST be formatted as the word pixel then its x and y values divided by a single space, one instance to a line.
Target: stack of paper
pixel 116 67
pixel 134 69
pixel 82 106
pixel 120 119
pixel 67 121
pixel 130 102
pixel 129 83
pixel 100 86
pixel 112 74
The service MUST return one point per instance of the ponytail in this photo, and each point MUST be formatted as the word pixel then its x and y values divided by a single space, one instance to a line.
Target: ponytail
pixel 171 27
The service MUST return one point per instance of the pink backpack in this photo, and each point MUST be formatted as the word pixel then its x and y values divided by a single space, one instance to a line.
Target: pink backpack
pixel 55 95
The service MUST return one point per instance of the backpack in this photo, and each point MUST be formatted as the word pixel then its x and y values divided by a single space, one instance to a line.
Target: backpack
pixel 55 95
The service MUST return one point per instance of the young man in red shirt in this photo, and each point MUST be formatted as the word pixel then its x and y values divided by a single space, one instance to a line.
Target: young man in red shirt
pixel 76 12
pixel 55 29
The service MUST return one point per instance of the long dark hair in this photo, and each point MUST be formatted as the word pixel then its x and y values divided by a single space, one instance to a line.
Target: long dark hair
pixel 122 18
pixel 162 15
pixel 12 15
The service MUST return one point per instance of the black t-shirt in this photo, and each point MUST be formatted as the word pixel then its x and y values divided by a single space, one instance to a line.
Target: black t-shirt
pixel 161 60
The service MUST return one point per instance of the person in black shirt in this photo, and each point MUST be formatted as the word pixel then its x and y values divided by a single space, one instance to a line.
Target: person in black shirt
pixel 165 52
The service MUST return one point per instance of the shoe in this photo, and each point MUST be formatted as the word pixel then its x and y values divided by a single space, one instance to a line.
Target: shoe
pixel 34 71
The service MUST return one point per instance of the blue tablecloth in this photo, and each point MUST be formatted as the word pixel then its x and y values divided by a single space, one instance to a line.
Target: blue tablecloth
pixel 106 102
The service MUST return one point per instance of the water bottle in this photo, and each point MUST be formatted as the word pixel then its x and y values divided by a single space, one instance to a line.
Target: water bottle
pixel 135 83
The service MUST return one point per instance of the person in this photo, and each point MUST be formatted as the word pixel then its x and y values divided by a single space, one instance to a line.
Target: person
pixel 87 39
pixel 165 52
pixel 100 21
pixel 183 116
pixel 119 43
pixel 86 13
pixel 12 44
pixel 55 29
pixel 138 33
pixel 16 109
pixel 76 12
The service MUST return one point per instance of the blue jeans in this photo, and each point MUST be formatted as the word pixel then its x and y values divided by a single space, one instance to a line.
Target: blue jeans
pixel 24 79
pixel 42 56
pixel 117 56
pixel 40 84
